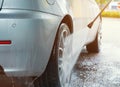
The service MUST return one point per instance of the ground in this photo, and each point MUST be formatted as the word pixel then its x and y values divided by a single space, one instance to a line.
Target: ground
pixel 101 69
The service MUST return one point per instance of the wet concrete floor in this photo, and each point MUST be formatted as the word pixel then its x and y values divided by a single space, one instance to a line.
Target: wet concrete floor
pixel 101 69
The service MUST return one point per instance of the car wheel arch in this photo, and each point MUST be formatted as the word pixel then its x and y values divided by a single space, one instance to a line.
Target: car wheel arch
pixel 67 19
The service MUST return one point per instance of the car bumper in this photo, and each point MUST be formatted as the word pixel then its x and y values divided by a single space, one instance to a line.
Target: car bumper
pixel 32 36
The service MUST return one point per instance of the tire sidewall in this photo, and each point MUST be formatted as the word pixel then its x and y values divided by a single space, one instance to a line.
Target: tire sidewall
pixel 52 70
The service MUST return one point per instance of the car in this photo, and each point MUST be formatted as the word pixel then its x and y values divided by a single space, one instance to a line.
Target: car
pixel 42 39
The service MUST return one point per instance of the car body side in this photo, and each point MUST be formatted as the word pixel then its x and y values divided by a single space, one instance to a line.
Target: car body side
pixel 32 26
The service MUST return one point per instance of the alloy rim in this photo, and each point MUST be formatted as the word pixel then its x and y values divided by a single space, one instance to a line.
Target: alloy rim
pixel 63 53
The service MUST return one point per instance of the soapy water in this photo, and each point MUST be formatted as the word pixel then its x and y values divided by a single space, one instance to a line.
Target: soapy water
pixel 72 48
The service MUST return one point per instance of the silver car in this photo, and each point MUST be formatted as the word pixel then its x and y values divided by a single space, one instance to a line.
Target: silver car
pixel 43 38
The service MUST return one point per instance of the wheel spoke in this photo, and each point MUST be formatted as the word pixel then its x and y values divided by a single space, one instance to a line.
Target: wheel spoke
pixel 63 52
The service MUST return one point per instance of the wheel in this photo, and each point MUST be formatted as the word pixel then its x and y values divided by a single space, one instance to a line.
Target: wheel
pixel 94 47
pixel 57 73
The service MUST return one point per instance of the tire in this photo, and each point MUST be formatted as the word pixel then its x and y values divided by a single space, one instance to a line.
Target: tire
pixel 55 75
pixel 94 47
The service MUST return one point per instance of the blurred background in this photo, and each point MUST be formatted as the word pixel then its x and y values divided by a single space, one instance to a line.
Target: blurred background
pixel 113 10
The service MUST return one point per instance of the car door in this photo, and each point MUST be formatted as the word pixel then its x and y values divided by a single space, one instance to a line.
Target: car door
pixel 93 12
pixel 84 11
pixel 79 11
